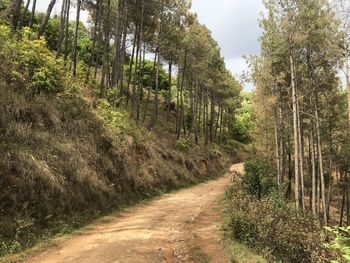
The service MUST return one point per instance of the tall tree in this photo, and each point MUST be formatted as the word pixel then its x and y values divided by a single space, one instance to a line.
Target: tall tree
pixel 46 18
pixel 75 42
pixel 32 17
pixel 16 12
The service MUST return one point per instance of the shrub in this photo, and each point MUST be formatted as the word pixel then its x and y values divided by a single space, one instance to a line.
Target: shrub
pixel 243 228
pixel 183 144
pixel 272 226
pixel 258 178
pixel 341 242
pixel 29 62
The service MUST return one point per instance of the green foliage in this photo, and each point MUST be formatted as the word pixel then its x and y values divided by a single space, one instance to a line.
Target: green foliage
pixel 52 33
pixel 258 179
pixel 243 228
pixel 29 61
pixel 9 247
pixel 149 76
pixel 341 242
pixel 243 123
pixel 115 119
pixel 272 226
pixel 183 144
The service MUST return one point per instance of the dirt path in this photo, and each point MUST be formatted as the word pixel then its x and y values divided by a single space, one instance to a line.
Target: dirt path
pixel 179 227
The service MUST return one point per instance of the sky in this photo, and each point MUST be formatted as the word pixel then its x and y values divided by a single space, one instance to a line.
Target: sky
pixel 233 23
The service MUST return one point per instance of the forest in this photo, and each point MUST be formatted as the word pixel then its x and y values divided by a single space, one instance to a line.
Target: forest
pixel 137 101
pixel 301 138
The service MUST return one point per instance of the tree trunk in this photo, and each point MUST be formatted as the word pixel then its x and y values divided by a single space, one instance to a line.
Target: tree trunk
pixel 178 125
pixel 182 112
pixel 329 201
pixel 347 206
pixel 66 43
pixel 130 67
pixel 348 85
pixel 301 154
pixel 342 209
pixel 118 41
pixel 99 39
pixel 140 92
pixel 62 23
pixel 169 91
pixel 120 83
pixel 75 45
pixel 16 12
pixel 200 96
pixel 206 106
pixel 94 40
pixel 277 156
pixel 221 124
pixel 32 17
pixel 281 145
pixel 217 124
pixel 313 171
pixel 212 118
pixel 320 161
pixel 138 50
pixel 195 117
pixel 296 139
pixel 46 18
pixel 25 13
pixel 290 175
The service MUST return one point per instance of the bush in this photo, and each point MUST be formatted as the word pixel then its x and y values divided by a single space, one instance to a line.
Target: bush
pixel 271 226
pixel 243 228
pixel 341 242
pixel 183 144
pixel 29 62
pixel 258 179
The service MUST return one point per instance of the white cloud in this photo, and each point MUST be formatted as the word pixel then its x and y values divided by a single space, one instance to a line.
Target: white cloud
pixel 234 25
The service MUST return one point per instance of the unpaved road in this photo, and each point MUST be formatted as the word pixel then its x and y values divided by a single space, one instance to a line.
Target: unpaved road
pixel 178 227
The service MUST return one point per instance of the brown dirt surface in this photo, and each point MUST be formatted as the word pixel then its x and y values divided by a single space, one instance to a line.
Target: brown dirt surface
pixel 179 227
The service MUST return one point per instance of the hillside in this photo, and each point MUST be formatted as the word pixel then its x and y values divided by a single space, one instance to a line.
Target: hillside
pixel 69 156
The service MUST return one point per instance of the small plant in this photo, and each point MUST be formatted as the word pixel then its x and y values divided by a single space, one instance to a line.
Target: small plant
pixel 243 229
pixel 341 242
pixel 183 144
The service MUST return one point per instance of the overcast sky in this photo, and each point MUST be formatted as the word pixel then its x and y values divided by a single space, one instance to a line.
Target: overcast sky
pixel 233 23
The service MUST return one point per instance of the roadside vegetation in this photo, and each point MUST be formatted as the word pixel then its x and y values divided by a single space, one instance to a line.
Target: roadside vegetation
pixel 262 219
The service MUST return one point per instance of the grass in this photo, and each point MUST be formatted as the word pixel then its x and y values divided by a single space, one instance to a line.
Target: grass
pixel 239 253
pixel 68 160
pixel 242 254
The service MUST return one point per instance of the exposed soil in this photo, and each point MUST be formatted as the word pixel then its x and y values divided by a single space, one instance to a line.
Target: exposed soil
pixel 178 227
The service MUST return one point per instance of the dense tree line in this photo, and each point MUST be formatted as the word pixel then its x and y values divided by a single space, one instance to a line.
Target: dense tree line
pixel 199 95
pixel 301 105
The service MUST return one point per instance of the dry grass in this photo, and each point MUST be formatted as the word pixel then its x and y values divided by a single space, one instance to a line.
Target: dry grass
pixel 62 165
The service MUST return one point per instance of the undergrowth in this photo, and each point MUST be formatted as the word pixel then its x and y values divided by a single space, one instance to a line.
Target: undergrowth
pixel 260 218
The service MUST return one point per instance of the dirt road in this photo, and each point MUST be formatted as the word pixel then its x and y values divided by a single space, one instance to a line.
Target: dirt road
pixel 178 227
